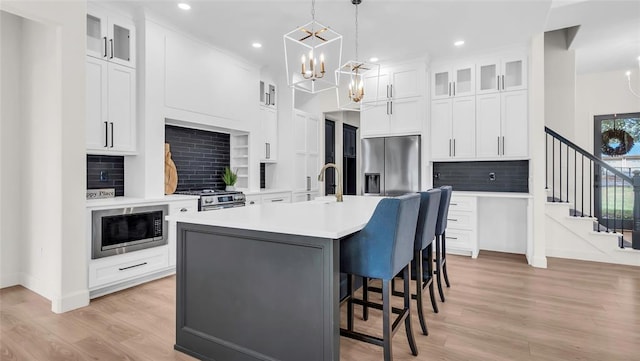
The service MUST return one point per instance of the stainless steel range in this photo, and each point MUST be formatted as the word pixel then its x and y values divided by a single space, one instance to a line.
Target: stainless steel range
pixel 211 199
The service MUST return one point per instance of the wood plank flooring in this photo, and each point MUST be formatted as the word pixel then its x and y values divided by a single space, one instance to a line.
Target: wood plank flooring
pixel 498 308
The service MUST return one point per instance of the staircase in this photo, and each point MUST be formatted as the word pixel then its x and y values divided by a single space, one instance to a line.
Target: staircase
pixel 574 229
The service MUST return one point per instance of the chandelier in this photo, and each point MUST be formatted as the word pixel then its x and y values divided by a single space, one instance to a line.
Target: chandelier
pixel 310 51
pixel 353 74
pixel 628 74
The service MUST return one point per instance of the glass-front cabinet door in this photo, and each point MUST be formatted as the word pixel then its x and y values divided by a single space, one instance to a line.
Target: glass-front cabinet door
pixel 464 81
pixel 505 74
pixel 441 84
pixel 489 79
pixel 110 37
pixel 514 74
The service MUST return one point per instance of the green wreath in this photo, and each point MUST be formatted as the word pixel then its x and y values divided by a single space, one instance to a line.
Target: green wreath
pixel 624 139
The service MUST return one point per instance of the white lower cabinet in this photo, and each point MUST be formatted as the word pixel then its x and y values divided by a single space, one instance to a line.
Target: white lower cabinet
pixel 175 208
pixel 462 229
pixel 279 197
pixel 116 269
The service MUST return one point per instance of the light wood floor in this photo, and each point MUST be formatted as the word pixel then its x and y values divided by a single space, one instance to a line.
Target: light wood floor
pixel 498 308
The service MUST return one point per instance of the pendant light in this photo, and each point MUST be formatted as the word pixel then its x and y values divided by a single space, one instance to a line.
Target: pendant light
pixel 311 52
pixel 351 76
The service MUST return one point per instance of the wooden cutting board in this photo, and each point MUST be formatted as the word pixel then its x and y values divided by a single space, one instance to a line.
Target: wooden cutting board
pixel 170 172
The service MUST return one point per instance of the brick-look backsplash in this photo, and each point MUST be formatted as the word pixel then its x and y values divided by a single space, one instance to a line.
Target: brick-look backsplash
pixel 200 157
pixel 510 176
pixel 112 170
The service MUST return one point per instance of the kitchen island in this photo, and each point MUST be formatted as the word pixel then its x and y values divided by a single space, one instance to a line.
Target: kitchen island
pixel 262 282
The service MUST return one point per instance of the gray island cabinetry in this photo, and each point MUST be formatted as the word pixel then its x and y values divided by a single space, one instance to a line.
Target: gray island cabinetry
pixel 262 282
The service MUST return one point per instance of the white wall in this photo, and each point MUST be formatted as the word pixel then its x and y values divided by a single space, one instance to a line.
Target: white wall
pixel 601 94
pixel 559 83
pixel 52 98
pixel 10 140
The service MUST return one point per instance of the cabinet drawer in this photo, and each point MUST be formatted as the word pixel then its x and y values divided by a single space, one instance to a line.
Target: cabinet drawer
pixel 460 240
pixel 459 203
pixel 253 199
pixel 183 206
pixel 277 197
pixel 460 220
pixel 118 268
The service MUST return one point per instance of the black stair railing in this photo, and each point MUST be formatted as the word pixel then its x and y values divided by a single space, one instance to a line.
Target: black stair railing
pixel 575 175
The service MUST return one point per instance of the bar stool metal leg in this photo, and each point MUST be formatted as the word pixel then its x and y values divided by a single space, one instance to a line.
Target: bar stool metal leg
pixel 418 257
pixel 438 270
pixel 444 260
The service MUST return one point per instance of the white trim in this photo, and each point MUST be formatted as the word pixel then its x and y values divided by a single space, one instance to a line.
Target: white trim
pixel 70 301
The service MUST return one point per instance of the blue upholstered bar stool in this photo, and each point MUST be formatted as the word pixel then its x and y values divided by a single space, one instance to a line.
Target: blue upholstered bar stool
pixel 441 246
pixel 382 249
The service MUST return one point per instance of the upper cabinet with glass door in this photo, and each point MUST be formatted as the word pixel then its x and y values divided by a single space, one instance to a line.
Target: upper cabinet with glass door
pixel 505 74
pixel 456 81
pixel 110 37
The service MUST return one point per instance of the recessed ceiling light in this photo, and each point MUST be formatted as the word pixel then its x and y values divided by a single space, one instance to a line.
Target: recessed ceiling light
pixel 459 43
pixel 256 45
pixel 373 59
pixel 184 6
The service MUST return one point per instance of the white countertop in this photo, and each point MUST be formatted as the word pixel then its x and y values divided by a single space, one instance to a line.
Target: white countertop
pixel 127 201
pixel 324 218
pixel 492 194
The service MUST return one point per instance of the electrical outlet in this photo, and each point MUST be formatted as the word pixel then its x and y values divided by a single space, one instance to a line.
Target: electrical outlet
pixel 104 176
pixel 492 176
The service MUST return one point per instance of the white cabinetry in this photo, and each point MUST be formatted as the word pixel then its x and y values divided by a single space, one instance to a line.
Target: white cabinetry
pixel 462 229
pixel 110 37
pixel 448 81
pixel 110 108
pixel 453 128
pixel 269 134
pixel 276 197
pixel 306 165
pixel 502 127
pixel 397 106
pixel 176 208
pixel 304 196
pixel 501 74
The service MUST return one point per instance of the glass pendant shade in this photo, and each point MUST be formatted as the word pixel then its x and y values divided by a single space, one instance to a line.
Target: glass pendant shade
pixel 355 79
pixel 312 53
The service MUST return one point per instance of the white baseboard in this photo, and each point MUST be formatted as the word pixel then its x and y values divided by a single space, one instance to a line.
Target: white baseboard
pixel 36 285
pixel 70 301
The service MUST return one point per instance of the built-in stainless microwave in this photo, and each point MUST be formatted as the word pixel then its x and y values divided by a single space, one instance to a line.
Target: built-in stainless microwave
pixel 122 230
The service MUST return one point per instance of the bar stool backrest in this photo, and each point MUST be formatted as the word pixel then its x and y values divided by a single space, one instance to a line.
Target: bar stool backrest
pixel 427 218
pixel 443 211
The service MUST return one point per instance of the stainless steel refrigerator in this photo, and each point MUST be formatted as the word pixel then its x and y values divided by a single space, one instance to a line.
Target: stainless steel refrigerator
pixel 391 165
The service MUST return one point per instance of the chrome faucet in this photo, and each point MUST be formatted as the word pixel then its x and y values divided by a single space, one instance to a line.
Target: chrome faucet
pixel 339 181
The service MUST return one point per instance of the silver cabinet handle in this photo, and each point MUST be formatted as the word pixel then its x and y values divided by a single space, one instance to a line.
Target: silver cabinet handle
pixel 387 108
pixel 277 200
pixel 252 202
pixel 454 89
pixel 308 183
pixel 136 265
pixel 498 82
pixel 454 147
pixel 498 145
pixel 449 88
pixel 391 107
pixel 111 41
pixel 267 150
pixel 449 147
pixel 183 209
pixel 451 237
pixel 503 145
pixel 503 82
pixel 105 47
pixel 453 204
pixel 387 90
pixel 391 90
pixel 452 219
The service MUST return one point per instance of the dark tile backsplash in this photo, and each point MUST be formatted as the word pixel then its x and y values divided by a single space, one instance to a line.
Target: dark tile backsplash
pixel 262 176
pixel 105 171
pixel 510 176
pixel 200 157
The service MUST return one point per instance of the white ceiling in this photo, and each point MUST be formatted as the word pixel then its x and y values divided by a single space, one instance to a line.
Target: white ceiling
pixel 397 29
